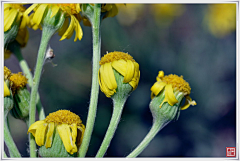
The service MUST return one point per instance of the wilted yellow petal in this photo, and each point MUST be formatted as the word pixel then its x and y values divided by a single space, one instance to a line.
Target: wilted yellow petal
pixel 74 132
pixel 157 87
pixel 10 19
pixel 55 10
pixel 38 15
pixel 103 86
pixel 70 29
pixel 129 72
pixel 109 77
pixel 49 135
pixel 65 135
pixel 64 27
pixel 40 134
pixel 187 103
pixel 136 77
pixel 169 95
pixel 79 32
pixel 120 66
pixel 32 129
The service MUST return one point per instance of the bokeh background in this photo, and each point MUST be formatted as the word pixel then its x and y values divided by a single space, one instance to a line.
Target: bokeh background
pixel 197 41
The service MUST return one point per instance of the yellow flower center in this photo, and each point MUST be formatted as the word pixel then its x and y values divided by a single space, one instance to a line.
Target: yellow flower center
pixel 116 55
pixel 177 82
pixel 18 7
pixel 63 117
pixel 18 80
pixel 70 8
pixel 7 72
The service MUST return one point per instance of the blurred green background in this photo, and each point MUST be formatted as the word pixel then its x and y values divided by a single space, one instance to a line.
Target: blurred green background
pixel 197 41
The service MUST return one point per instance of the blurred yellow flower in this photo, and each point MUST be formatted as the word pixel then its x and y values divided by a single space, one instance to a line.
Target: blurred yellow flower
pixel 169 84
pixel 130 13
pixel 69 10
pixel 14 12
pixel 67 124
pixel 220 19
pixel 122 63
pixel 164 14
pixel 17 80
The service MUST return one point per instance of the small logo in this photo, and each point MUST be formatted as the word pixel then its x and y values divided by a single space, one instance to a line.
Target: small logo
pixel 230 151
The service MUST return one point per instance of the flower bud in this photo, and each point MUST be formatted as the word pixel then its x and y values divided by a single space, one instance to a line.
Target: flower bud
pixel 60 134
pixel 8 99
pixel 167 96
pixel 118 71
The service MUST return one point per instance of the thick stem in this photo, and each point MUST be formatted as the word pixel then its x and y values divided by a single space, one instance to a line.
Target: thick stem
pixel 117 112
pixel 10 143
pixel 95 85
pixel 15 48
pixel 46 35
pixel 157 126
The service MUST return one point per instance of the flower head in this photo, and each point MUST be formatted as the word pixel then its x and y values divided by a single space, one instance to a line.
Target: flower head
pixel 169 85
pixel 69 10
pixel 220 19
pixel 18 80
pixel 67 124
pixel 124 64
pixel 7 73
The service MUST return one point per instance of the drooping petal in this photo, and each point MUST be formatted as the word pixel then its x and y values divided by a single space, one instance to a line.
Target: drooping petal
pixel 120 66
pixel 79 32
pixel 31 8
pixel 74 132
pixel 136 77
pixel 66 137
pixel 40 134
pixel 157 87
pixel 70 29
pixel 187 103
pixel 109 77
pixel 38 15
pixel 64 27
pixel 129 72
pixel 10 19
pixel 169 95
pixel 49 135
pixel 103 85
pixel 80 134
pixel 32 129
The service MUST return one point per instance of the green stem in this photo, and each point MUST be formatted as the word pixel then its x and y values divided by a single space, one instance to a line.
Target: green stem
pixel 5 155
pixel 10 143
pixel 15 48
pixel 117 112
pixel 157 126
pixel 47 33
pixel 95 85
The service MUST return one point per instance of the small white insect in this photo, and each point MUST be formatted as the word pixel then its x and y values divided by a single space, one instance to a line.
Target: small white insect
pixel 49 55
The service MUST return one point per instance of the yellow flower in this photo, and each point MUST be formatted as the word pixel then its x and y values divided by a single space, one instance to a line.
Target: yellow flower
pixel 6 90
pixel 122 63
pixel 17 81
pixel 68 125
pixel 14 13
pixel 220 19
pixel 170 84
pixel 130 13
pixel 7 73
pixel 69 10
pixel 164 14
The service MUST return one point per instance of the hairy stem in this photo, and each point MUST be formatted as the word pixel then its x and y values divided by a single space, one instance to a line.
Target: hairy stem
pixel 95 85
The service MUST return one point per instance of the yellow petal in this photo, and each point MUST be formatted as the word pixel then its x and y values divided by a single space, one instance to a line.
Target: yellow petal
pixel 70 29
pixel 55 10
pixel 49 135
pixel 10 19
pixel 31 8
pixel 24 21
pixel 157 87
pixel 74 132
pixel 79 32
pixel 136 77
pixel 6 90
pixel 120 66
pixel 65 134
pixel 80 134
pixel 32 129
pixel 108 76
pixel 78 9
pixel 64 27
pixel 169 95
pixel 38 15
pixel 40 134
pixel 103 86
pixel 129 72
pixel 187 103
pixel 114 11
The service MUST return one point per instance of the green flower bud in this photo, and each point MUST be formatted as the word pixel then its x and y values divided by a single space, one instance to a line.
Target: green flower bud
pixel 21 104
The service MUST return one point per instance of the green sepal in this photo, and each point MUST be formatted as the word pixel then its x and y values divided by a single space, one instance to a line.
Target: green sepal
pixel 11 34
pixel 166 113
pixel 56 150
pixel 21 104
pixel 87 11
